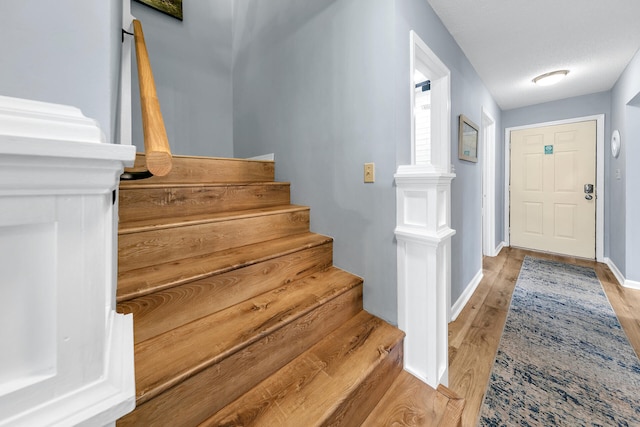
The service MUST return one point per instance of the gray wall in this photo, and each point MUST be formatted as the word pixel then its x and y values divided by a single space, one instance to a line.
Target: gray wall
pixel 323 85
pixel 625 197
pixel 579 106
pixel 65 52
pixel 191 62
pixel 311 85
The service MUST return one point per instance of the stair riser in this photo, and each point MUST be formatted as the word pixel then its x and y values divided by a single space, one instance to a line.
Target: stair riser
pixel 145 248
pixel 199 169
pixel 155 203
pixel 357 405
pixel 162 311
pixel 200 396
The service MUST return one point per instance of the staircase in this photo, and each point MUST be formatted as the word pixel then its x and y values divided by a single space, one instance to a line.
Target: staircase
pixel 240 316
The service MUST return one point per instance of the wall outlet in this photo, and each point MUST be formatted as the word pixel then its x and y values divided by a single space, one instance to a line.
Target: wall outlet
pixel 369 172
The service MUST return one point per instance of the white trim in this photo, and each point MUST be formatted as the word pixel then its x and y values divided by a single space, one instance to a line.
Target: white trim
pixel 24 118
pixel 440 76
pixel 270 156
pixel 488 125
pixel 498 248
pixel 631 284
pixel 417 235
pixel 600 187
pixel 614 269
pixel 466 295
pixel 126 127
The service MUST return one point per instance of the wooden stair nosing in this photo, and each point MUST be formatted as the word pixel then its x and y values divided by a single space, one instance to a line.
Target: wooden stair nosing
pixel 156 224
pixel 323 375
pixel 161 311
pixel 144 281
pixel 250 321
pixel 198 397
pixel 142 184
pixel 154 201
pixel 160 246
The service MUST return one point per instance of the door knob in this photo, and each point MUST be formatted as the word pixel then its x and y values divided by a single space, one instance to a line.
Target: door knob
pixel 588 197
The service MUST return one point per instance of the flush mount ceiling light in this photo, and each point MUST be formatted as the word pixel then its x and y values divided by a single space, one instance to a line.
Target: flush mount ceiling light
pixel 548 79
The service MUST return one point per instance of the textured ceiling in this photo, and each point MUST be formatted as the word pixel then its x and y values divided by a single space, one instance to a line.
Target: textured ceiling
pixel 509 42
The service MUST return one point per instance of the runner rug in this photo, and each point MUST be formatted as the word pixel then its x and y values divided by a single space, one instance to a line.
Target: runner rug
pixel 563 358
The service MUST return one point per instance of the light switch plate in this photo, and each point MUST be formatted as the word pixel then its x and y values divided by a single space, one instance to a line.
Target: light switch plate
pixel 369 172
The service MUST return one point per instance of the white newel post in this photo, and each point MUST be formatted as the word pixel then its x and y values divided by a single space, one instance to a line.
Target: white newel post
pixel 424 269
pixel 67 356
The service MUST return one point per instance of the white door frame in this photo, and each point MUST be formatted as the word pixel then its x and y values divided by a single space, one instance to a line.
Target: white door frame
pixel 488 126
pixel 600 190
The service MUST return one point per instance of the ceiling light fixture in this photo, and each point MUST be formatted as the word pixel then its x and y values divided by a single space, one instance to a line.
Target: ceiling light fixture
pixel 548 79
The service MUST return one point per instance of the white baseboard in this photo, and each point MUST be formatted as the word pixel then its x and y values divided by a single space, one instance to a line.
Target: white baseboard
pixel 270 156
pixel 632 284
pixel 466 295
pixel 498 248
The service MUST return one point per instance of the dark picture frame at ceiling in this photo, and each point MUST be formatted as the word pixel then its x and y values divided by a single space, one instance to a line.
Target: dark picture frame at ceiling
pixel 170 7
pixel 467 140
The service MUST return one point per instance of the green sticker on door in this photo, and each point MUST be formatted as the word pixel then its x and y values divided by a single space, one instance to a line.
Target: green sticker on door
pixel 548 149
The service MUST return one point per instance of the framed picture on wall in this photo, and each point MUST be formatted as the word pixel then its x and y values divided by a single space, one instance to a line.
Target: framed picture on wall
pixel 170 7
pixel 467 140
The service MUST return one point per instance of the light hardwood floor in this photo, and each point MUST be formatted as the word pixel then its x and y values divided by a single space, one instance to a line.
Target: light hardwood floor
pixel 475 335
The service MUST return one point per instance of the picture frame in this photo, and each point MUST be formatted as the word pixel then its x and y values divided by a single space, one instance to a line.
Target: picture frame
pixel 467 140
pixel 170 7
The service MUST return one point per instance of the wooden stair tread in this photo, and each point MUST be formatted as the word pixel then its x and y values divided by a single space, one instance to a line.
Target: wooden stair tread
pixel 319 383
pixel 207 218
pixel 174 356
pixel 143 281
pixel 411 402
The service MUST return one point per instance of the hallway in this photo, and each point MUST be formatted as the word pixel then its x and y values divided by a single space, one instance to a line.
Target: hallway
pixel 475 335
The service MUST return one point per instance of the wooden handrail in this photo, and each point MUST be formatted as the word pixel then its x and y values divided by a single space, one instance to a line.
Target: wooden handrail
pixel 156 143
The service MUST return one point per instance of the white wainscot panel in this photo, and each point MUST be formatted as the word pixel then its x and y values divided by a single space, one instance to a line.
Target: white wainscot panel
pixel 415 208
pixel 29 344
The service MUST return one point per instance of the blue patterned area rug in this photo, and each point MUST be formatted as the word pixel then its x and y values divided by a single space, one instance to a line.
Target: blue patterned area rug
pixel 563 358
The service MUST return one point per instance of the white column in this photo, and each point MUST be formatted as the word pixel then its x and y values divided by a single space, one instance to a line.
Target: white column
pixel 424 269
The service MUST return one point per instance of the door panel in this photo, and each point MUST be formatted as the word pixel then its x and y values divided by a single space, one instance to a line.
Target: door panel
pixel 533 218
pixel 549 167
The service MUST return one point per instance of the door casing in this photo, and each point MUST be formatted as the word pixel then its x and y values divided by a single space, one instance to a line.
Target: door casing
pixel 488 130
pixel 600 188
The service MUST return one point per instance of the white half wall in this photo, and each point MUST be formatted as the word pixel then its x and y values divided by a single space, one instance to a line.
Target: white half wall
pixel 67 356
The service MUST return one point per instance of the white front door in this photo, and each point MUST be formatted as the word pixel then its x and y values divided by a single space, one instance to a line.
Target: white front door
pixel 550 210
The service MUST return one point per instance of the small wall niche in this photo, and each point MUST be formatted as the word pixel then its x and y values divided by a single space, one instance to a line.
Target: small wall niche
pixel 430 111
